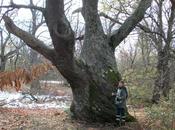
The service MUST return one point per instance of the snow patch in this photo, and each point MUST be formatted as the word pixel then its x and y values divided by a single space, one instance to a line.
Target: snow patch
pixel 19 100
pixel 51 82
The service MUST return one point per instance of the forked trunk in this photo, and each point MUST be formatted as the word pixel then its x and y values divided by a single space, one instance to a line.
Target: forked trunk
pixel 91 77
pixel 92 99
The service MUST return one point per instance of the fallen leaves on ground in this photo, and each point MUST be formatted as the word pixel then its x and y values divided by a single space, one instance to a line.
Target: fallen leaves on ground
pixel 49 119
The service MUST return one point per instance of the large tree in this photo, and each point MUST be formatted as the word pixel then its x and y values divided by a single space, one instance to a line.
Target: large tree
pixel 9 48
pixel 5 41
pixel 92 75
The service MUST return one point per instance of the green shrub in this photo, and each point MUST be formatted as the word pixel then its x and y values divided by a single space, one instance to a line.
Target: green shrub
pixel 140 84
pixel 162 116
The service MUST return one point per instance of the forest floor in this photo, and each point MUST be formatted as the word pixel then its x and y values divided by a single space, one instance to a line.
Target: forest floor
pixel 53 119
pixel 14 118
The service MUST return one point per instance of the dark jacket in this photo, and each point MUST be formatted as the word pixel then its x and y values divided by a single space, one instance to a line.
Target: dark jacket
pixel 121 95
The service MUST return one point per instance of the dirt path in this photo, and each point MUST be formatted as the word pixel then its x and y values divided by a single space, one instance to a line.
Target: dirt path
pixel 138 113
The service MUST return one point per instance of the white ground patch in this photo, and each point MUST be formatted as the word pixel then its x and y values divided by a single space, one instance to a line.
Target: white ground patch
pixel 19 100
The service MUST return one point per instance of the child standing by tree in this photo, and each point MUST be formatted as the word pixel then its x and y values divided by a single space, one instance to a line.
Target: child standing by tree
pixel 121 96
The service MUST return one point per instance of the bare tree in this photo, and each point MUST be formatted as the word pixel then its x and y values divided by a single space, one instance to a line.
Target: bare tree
pixel 161 33
pixel 33 55
pixel 127 58
pixel 7 52
pixel 88 76
pixel 147 48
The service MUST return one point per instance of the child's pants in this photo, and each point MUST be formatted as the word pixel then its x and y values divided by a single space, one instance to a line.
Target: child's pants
pixel 120 114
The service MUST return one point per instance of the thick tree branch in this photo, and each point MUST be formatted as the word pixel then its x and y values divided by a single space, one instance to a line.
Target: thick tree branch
pixel 93 24
pixel 57 22
pixel 30 40
pixel 130 23
pixel 142 27
pixel 60 29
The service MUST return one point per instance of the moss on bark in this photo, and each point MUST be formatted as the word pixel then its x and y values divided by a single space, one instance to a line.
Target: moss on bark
pixel 102 109
pixel 112 76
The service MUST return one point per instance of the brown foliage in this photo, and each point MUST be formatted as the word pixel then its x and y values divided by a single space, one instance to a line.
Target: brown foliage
pixel 20 76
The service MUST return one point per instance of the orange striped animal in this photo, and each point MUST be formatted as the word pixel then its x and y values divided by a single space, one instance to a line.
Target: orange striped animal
pixel 15 79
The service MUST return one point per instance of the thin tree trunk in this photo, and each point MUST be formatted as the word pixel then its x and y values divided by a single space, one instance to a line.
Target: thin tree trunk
pixel 33 57
pixel 162 82
pixel 166 70
pixel 35 85
pixel 3 64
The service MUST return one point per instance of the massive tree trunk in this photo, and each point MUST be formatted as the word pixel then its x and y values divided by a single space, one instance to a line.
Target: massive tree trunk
pixel 91 77
pixel 98 55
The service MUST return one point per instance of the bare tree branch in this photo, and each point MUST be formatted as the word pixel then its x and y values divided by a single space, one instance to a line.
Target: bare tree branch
pixel 110 18
pixel 81 37
pixel 148 30
pixel 18 6
pixel 142 27
pixel 30 40
pixel 11 53
pixel 170 26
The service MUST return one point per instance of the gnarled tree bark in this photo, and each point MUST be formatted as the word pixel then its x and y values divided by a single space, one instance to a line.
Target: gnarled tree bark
pixel 91 77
